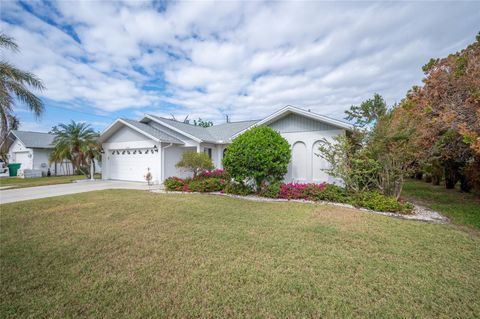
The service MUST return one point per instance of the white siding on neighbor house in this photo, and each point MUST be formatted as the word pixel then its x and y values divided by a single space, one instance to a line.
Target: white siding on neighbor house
pixel 40 160
pixel 36 158
pixel 18 153
pixel 297 123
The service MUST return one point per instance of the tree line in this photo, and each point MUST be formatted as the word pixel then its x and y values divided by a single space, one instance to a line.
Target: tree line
pixel 432 134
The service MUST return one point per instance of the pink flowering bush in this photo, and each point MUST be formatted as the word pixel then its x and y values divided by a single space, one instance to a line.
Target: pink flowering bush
pixel 309 191
pixel 176 184
pixel 216 173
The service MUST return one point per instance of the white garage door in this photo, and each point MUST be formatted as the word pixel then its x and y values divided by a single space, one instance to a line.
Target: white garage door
pixel 24 159
pixel 132 165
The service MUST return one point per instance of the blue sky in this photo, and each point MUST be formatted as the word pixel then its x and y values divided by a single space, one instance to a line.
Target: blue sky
pixel 104 60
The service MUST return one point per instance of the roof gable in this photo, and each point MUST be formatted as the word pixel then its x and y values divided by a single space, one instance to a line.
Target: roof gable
pixel 289 109
pixel 142 128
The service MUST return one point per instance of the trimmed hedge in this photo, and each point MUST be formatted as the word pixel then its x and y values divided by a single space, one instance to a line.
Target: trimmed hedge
pixel 209 184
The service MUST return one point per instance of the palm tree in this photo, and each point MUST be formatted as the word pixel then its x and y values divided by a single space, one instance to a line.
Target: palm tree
pixel 14 85
pixel 76 142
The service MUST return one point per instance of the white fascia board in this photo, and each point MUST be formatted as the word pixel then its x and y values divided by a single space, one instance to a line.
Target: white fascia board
pixel 196 139
pixel 16 138
pixel 130 126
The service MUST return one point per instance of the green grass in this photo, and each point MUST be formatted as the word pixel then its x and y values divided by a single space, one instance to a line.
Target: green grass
pixel 135 254
pixel 462 208
pixel 16 182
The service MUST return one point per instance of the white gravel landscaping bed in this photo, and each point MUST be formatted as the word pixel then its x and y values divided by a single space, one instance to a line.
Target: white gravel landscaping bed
pixel 420 213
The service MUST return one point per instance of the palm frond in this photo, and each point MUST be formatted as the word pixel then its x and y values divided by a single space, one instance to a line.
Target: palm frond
pixel 23 94
pixel 8 42
pixel 8 71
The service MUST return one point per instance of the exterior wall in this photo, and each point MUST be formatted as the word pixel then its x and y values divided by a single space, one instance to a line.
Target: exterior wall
pixel 171 156
pixel 217 153
pixel 18 153
pixel 40 161
pixel 305 165
pixel 297 123
pixel 125 134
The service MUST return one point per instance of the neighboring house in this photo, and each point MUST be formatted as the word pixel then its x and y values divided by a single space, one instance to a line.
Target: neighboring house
pixel 32 150
pixel 131 148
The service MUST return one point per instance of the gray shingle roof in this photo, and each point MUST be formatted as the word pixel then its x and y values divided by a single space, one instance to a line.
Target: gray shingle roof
pixel 223 132
pixel 196 131
pixel 164 137
pixel 35 139
pixel 216 133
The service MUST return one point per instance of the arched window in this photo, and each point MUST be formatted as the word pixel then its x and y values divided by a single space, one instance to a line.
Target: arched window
pixel 299 161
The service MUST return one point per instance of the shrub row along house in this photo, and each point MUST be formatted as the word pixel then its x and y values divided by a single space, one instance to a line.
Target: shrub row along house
pixel 156 144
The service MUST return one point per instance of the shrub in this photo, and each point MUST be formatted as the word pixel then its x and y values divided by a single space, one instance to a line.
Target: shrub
pixel 207 185
pixel 334 193
pixel 271 190
pixel 217 173
pixel 238 189
pixel 260 153
pixel 175 184
pixel 195 162
pixel 301 191
pixel 377 201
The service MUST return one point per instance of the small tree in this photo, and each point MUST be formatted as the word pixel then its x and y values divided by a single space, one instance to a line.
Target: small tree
pixel 195 162
pixel 260 153
pixel 353 165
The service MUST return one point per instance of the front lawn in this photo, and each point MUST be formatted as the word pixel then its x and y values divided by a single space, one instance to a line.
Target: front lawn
pixel 16 182
pixel 135 254
pixel 462 208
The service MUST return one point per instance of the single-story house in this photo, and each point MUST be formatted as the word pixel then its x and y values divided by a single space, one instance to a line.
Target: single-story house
pixel 154 143
pixel 32 151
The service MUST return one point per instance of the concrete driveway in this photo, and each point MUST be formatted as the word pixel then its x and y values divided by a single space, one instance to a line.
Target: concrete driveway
pixel 21 194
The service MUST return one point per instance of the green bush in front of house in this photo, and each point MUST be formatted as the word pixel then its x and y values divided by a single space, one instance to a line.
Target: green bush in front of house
pixel 379 202
pixel 260 154
pixel 205 185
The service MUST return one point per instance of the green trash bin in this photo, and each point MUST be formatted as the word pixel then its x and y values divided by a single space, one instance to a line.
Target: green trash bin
pixel 13 168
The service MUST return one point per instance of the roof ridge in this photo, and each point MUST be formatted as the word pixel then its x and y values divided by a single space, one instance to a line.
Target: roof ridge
pixel 233 122
pixel 164 118
pixel 32 132
pixel 176 121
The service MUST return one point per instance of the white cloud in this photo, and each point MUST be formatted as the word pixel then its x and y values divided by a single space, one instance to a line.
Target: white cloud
pixel 241 58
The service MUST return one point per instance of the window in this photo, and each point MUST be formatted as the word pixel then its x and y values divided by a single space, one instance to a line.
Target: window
pixel 208 151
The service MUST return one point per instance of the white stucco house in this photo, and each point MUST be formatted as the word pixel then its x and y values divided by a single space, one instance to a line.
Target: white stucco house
pixel 157 143
pixel 32 151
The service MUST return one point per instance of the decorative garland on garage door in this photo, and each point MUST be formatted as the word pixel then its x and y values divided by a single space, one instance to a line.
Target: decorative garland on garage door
pixel 134 151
